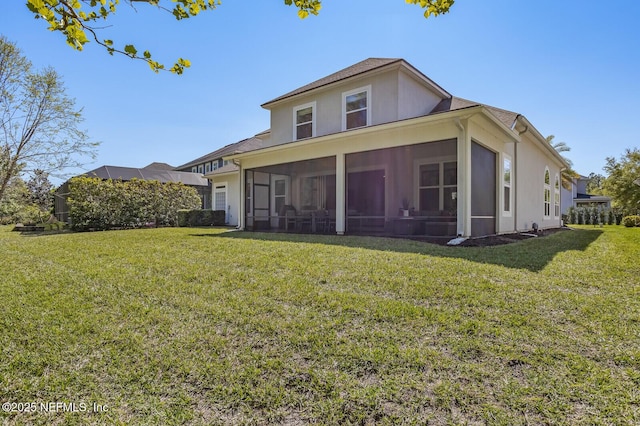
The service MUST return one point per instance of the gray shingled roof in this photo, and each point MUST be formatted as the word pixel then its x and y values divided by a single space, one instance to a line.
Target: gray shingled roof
pixel 361 67
pixel 163 176
pixel 159 166
pixel 248 144
pixel 508 118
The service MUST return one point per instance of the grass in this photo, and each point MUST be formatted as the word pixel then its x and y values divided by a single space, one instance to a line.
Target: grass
pixel 202 326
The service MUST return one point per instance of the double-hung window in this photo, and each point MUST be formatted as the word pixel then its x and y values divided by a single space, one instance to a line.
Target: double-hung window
pixel 506 186
pixel 304 121
pixel 547 193
pixel 356 108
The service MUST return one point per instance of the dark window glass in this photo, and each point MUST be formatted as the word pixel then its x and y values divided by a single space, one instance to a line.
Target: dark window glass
pixel 450 173
pixel 450 202
pixel 304 131
pixel 429 175
pixel 356 119
pixel 507 199
pixel 430 199
pixel 356 101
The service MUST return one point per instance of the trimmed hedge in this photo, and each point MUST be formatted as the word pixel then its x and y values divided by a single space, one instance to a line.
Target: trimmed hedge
pixel 201 217
pixel 106 204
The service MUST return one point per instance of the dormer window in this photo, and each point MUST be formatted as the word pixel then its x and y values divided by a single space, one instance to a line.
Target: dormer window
pixel 304 123
pixel 356 107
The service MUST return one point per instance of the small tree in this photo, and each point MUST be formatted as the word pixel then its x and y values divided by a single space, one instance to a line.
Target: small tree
pixel 620 182
pixel 38 122
pixel 40 191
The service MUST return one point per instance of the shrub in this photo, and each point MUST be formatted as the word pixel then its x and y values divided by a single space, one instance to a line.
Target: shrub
pixel 631 221
pixel 200 217
pixel 106 204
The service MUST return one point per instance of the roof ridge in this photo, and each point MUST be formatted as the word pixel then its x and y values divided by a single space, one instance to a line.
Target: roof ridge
pixel 353 70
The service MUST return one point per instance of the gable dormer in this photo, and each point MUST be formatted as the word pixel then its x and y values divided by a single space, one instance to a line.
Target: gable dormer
pixel 371 92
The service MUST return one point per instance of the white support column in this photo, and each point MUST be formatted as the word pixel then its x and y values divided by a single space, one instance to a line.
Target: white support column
pixel 340 194
pixel 241 199
pixel 464 179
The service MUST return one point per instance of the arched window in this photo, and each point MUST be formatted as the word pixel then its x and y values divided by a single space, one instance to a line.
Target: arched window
pixel 547 193
pixel 556 199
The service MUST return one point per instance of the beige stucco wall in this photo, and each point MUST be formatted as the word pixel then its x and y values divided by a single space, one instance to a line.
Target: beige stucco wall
pixel 395 95
pixel 486 134
pixel 414 99
pixel 232 181
pixel 531 162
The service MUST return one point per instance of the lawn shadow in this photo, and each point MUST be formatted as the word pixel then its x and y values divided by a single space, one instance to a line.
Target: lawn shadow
pixel 532 254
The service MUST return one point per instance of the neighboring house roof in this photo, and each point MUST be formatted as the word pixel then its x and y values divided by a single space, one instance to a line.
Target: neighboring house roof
pixel 229 168
pixel 248 144
pixel 164 176
pixel 159 166
pixel 362 67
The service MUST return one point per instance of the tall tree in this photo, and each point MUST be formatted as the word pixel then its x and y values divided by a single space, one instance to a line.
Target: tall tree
pixel 568 174
pixel 620 182
pixel 80 20
pixel 38 121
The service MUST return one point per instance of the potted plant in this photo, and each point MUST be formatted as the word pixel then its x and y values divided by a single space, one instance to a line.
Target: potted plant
pixel 405 207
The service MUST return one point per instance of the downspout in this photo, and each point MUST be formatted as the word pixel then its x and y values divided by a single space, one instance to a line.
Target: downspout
pixel 241 195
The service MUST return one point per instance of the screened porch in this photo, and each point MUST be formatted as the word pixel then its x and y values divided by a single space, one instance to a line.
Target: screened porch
pixel 409 190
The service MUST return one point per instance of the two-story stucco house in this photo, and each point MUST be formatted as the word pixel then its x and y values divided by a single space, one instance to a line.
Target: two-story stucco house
pixel 577 196
pixel 379 148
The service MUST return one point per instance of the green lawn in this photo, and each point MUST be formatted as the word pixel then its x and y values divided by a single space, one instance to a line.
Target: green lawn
pixel 203 326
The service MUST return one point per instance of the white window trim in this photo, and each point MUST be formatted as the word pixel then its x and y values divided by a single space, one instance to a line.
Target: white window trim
pixel 510 186
pixel 344 106
pixel 214 165
pixel 556 197
pixel 547 187
pixel 312 105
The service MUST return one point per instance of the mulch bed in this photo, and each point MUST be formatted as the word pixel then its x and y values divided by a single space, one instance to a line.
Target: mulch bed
pixel 496 240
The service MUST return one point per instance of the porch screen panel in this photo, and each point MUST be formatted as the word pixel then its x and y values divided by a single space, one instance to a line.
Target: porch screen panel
pixel 261 189
pixel 483 190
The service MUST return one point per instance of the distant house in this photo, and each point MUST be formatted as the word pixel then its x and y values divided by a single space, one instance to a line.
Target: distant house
pixel 161 172
pixel 578 197
pixel 224 194
pixel 379 148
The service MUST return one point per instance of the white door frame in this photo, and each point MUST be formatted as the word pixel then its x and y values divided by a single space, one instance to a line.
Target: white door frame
pixel 218 188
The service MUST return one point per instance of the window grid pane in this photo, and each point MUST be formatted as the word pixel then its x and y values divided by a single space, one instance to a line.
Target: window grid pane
pixel 356 101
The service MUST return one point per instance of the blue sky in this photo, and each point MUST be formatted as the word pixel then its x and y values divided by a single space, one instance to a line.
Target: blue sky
pixel 571 67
